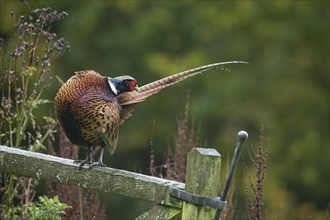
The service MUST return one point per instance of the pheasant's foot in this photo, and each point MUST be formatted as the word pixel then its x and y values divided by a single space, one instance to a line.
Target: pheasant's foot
pixel 81 163
pixel 89 164
pixel 96 164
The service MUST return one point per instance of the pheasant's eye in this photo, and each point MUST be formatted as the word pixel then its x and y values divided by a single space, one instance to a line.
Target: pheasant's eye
pixel 132 85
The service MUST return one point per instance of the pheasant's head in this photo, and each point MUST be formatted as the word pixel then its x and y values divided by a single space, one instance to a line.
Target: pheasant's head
pixel 122 84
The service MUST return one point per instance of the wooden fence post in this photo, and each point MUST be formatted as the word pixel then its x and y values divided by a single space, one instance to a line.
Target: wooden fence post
pixel 202 178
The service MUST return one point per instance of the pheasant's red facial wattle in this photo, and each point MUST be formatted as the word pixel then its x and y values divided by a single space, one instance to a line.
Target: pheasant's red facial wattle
pixel 132 85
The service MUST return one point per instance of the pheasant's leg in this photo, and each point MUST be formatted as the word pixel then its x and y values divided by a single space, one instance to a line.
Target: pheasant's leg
pixel 88 160
pixel 101 156
pixel 99 162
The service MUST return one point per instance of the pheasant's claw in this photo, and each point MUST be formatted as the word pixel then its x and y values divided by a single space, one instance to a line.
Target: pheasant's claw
pixel 83 162
pixel 77 161
pixel 89 164
pixel 96 164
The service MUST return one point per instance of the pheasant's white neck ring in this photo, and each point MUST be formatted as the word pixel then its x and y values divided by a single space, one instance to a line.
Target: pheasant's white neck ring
pixel 112 86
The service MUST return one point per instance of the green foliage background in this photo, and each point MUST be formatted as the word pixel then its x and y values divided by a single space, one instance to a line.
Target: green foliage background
pixel 285 86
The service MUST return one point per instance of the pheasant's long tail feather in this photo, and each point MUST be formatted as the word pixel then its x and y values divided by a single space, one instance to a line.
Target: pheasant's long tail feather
pixel 130 100
pixel 154 87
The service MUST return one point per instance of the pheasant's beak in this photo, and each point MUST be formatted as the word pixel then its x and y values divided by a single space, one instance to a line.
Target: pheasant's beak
pixel 136 88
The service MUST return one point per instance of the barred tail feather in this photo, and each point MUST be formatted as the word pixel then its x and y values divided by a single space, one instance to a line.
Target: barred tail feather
pixel 171 80
pixel 129 101
pixel 154 87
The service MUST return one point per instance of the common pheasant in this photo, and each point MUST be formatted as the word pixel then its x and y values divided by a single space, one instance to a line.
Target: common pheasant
pixel 91 107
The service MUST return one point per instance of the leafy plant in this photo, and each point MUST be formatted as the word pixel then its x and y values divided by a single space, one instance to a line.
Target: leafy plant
pixel 25 74
pixel 50 209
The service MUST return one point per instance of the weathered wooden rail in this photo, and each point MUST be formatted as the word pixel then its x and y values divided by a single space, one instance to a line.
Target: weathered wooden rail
pixel 197 199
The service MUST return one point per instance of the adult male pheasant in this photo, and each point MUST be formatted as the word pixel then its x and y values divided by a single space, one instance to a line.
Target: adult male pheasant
pixel 90 107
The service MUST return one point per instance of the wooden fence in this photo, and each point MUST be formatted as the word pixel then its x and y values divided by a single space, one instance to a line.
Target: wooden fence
pixel 196 199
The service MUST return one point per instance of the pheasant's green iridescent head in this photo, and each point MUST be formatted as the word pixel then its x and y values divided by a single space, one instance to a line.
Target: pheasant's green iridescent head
pixel 122 84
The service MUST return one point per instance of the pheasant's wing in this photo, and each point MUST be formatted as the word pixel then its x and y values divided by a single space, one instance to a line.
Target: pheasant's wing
pixel 109 126
pixel 130 100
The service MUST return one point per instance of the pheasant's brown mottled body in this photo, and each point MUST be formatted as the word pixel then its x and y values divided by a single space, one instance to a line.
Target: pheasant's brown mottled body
pixel 85 108
pixel 90 107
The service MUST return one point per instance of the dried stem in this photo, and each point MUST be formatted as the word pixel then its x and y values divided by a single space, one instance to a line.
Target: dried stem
pixel 23 79
pixel 255 206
